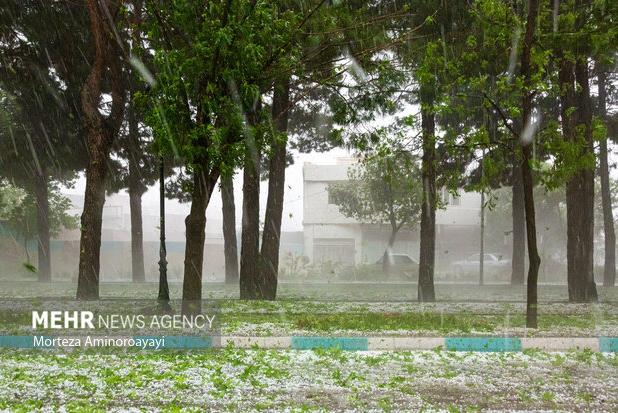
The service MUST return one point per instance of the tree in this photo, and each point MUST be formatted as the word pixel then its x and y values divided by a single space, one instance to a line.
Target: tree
pixel 206 106
pixel 134 145
pixel 604 54
pixel 251 284
pixel 22 215
pixel 435 60
pixel 384 188
pixel 101 131
pixel 42 52
pixel 230 246
pixel 609 267
pixel 526 139
pixel 269 253
pixel 576 116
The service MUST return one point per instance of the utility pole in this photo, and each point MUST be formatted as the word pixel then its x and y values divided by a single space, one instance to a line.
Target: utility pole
pixel 482 254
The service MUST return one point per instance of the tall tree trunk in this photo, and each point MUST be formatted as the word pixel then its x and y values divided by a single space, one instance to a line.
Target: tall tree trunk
pixel 164 291
pixel 426 290
pixel 42 214
pixel 137 236
pixel 229 229
pixel 609 270
pixel 101 133
pixel 585 227
pixel 251 287
pixel 526 168
pixel 91 221
pixel 136 189
pixel 575 113
pixel 269 263
pixel 195 225
pixel 518 262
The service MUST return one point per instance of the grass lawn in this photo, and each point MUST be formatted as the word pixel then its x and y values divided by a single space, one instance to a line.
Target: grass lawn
pixel 233 379
pixel 267 380
pixel 302 318
pixel 319 309
pixel 392 292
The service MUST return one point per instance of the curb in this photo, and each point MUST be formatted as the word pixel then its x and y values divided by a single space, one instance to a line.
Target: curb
pixel 477 344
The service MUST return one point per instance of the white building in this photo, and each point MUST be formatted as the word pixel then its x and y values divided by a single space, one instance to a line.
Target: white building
pixel 330 236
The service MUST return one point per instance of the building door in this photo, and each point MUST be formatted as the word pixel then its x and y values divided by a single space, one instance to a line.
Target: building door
pixel 335 250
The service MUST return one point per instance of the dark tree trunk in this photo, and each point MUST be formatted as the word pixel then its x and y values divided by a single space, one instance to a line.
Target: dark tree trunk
pixel 526 169
pixel 585 225
pixel 137 236
pixel 42 215
pixel 229 230
pixel 269 263
pixel 428 209
pixel 609 270
pixel 576 112
pixel 251 287
pixel 91 220
pixel 195 225
pixel 518 262
pixel 164 290
pixel 136 189
pixel 101 133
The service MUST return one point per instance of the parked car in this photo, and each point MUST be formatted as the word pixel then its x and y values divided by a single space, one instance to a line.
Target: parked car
pixel 402 265
pixel 492 263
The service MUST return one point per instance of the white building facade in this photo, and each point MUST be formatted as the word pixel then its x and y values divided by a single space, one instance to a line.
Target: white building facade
pixel 331 236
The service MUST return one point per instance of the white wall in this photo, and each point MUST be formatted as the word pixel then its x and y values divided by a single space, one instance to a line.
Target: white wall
pixel 340 231
pixel 468 212
pixel 323 220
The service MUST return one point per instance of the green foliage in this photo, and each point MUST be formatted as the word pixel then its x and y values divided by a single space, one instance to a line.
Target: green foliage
pixel 211 73
pixel 21 215
pixel 384 188
pixel 9 196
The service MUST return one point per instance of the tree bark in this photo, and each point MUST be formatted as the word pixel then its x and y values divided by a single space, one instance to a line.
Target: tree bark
pixel 229 230
pixel 101 133
pixel 585 225
pixel 42 215
pixel 526 168
pixel 271 238
pixel 426 290
pixel 137 236
pixel 91 221
pixel 609 268
pixel 575 113
pixel 136 189
pixel 195 224
pixel 251 287
pixel 518 262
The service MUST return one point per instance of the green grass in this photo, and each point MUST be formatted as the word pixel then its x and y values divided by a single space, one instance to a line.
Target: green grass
pixel 288 317
pixel 367 309
pixel 311 291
